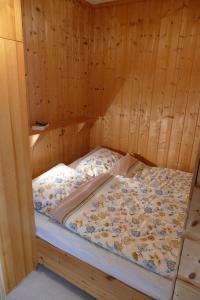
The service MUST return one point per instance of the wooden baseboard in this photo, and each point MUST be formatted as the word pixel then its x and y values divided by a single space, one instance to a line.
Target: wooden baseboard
pixel 91 280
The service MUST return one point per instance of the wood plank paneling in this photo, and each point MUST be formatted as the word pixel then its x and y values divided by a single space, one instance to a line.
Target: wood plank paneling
pixel 189 269
pixel 144 73
pixel 60 145
pixel 57 48
pixel 193 222
pixel 56 36
pixel 188 282
pixel 16 208
pixel 185 291
pixel 2 289
pixel 135 65
pixel 10 21
pixel 17 247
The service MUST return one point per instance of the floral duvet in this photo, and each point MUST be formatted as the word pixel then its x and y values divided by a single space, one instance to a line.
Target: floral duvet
pixel 141 222
pixel 163 179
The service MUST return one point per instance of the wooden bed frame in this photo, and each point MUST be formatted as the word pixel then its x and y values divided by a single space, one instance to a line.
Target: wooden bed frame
pixel 137 156
pixel 88 278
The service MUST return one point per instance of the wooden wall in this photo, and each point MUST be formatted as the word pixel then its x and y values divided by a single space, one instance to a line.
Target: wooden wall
pixel 59 145
pixel 57 40
pixel 17 248
pixel 144 79
pixel 134 64
pixel 57 54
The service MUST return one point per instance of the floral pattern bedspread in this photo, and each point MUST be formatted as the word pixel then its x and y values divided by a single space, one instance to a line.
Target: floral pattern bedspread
pixel 101 161
pixel 51 188
pixel 162 179
pixel 136 221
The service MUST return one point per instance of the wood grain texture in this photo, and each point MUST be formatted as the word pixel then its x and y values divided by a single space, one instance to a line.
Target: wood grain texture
pixel 185 291
pixel 144 79
pixel 198 177
pixel 107 3
pixel 193 222
pixel 57 47
pixel 62 124
pixel 136 66
pixel 60 145
pixel 188 282
pixel 56 36
pixel 95 282
pixel 189 269
pixel 2 289
pixel 16 209
pixel 10 21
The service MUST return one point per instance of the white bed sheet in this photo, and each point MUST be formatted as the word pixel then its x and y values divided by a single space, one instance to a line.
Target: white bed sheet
pixel 147 282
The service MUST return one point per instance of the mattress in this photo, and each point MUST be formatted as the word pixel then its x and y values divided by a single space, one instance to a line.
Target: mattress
pixel 147 282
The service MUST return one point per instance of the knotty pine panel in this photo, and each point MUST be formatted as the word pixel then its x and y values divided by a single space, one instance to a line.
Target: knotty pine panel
pixel 10 21
pixel 56 37
pixel 61 145
pixel 144 79
pixel 17 241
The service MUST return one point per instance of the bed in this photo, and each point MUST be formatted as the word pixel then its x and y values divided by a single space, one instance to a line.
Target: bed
pixel 109 276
